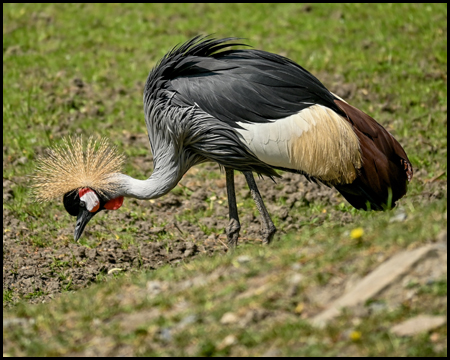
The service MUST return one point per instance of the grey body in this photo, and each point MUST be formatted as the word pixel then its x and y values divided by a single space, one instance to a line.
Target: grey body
pixel 194 102
pixel 196 96
pixel 182 134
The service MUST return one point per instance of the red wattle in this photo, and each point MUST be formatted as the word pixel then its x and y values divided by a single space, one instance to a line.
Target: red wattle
pixel 114 204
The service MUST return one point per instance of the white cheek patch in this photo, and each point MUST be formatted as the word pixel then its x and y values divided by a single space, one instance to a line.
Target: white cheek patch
pixel 91 200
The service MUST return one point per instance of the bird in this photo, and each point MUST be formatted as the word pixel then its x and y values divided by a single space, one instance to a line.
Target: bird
pixel 250 111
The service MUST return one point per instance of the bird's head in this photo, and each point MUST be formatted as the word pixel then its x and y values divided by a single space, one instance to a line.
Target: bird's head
pixel 84 176
pixel 84 203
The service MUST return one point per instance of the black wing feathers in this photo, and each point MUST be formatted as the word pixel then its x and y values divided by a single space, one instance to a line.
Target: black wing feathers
pixel 236 85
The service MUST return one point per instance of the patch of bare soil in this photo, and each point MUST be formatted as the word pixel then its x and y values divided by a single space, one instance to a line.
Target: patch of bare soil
pixel 41 272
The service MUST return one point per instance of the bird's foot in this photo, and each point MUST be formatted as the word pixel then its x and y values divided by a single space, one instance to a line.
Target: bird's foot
pixel 268 233
pixel 233 232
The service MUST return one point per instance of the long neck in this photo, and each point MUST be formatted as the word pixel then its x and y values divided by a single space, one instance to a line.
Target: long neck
pixel 158 184
pixel 168 171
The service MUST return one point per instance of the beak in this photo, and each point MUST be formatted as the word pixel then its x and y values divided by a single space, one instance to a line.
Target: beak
pixel 82 219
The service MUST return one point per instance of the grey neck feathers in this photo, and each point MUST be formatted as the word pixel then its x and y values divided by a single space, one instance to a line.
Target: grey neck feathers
pixel 166 175
pixel 158 184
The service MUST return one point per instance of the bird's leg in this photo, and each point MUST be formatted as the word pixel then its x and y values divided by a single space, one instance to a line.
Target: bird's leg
pixel 234 226
pixel 268 227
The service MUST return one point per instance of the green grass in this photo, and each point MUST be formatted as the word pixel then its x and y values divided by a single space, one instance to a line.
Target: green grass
pixel 394 55
pixel 209 287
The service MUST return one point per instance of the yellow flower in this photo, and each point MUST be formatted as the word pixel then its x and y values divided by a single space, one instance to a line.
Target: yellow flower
pixel 355 335
pixel 299 308
pixel 357 233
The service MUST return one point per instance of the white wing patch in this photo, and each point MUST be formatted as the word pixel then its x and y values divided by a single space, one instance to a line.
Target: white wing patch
pixel 316 140
pixel 272 142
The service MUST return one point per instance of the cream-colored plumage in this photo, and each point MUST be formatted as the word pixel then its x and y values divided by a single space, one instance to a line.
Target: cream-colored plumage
pixel 73 165
pixel 317 141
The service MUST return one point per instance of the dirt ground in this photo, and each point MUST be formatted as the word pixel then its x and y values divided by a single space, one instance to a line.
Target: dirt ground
pixel 30 269
pixel 47 271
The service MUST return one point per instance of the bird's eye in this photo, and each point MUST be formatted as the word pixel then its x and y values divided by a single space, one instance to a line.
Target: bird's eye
pixel 82 204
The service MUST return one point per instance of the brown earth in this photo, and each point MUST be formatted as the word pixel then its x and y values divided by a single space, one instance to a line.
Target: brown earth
pixel 30 269
pixel 49 271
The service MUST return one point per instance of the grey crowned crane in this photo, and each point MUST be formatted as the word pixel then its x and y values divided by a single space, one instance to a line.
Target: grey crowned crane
pixel 248 110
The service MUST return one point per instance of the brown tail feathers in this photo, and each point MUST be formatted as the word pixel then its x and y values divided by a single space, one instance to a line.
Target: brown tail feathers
pixel 386 169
